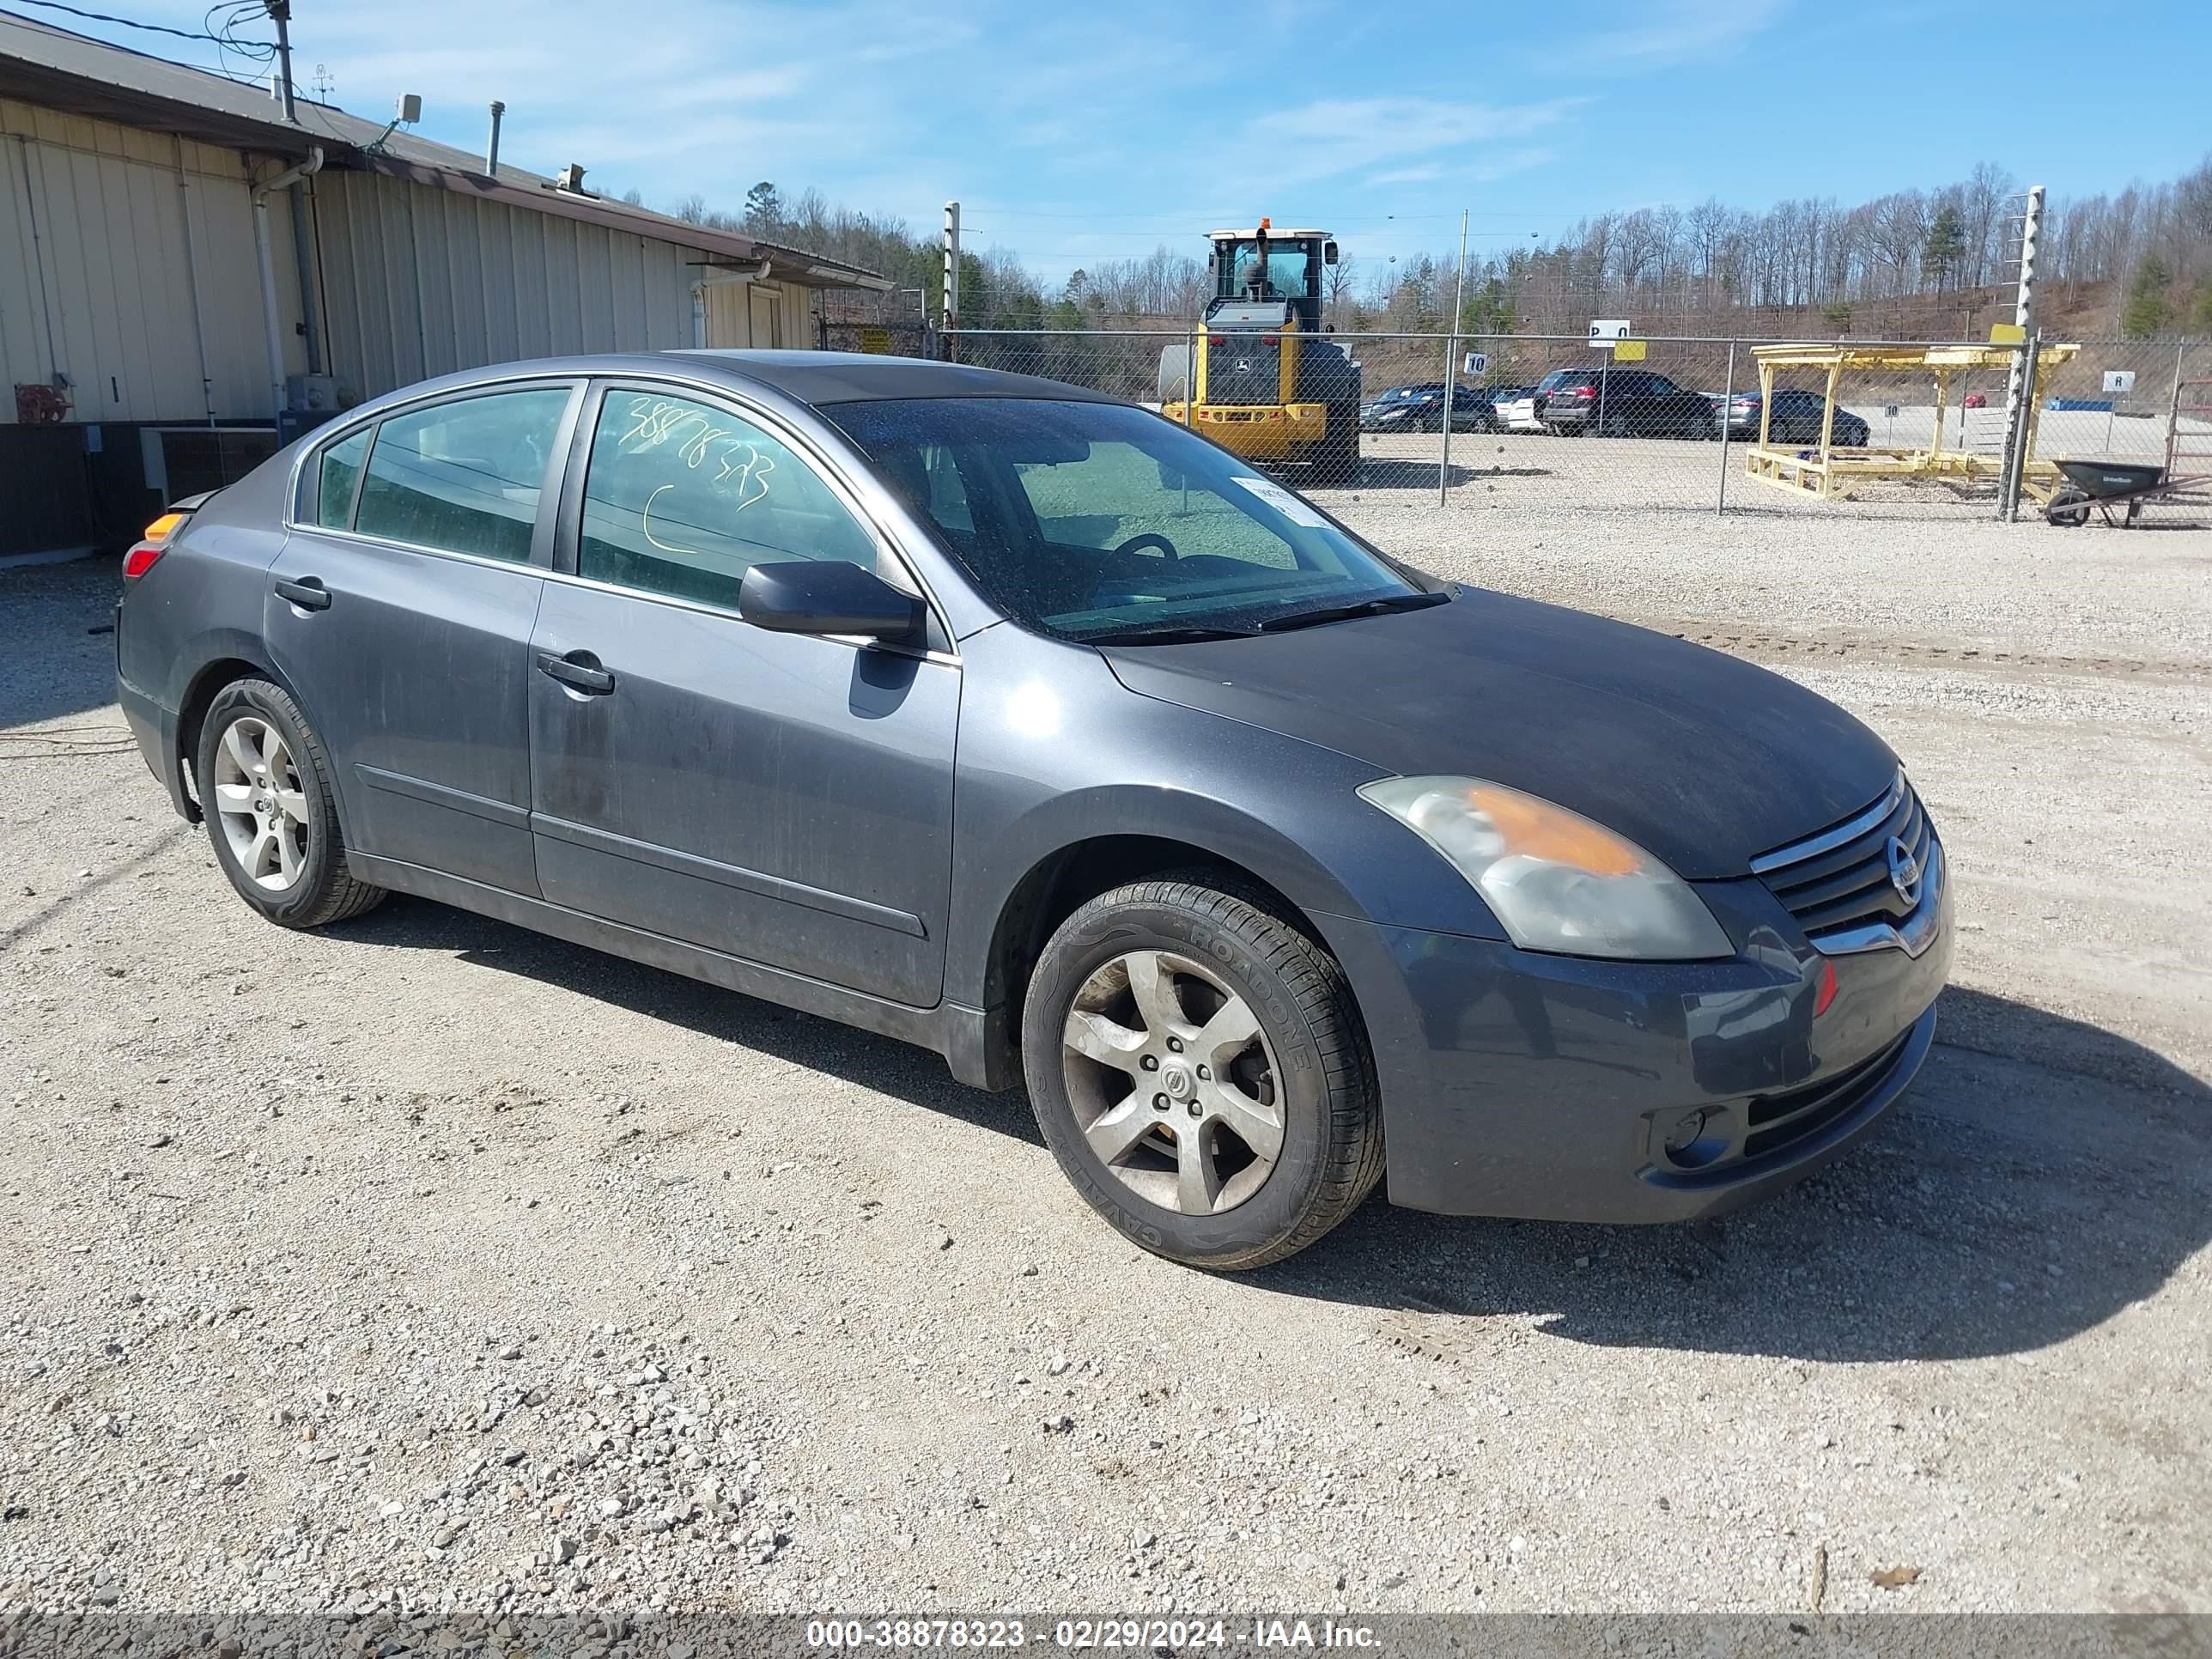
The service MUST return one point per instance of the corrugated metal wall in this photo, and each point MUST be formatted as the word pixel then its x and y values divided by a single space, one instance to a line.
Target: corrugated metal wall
pixel 417 282
pixel 101 229
pixel 759 314
pixel 127 262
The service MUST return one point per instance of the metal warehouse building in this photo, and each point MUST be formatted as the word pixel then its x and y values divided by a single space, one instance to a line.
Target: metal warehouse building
pixel 183 271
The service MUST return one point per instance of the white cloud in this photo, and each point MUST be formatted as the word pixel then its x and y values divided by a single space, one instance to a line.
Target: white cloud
pixel 1677 32
pixel 1344 135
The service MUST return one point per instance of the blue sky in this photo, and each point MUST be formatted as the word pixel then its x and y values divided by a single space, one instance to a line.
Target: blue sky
pixel 1073 134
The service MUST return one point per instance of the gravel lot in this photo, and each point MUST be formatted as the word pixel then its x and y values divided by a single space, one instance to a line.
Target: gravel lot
pixel 427 1261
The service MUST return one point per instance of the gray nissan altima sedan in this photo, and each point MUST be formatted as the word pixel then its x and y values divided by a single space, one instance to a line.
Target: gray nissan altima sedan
pixel 1010 720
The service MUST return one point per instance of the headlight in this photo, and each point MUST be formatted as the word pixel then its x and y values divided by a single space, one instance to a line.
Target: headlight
pixel 1557 881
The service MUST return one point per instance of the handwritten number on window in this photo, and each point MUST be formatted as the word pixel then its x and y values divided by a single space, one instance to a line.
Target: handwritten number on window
pixel 740 469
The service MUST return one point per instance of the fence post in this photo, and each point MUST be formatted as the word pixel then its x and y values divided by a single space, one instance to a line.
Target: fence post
pixel 1727 399
pixel 1190 374
pixel 1451 386
pixel 2174 406
pixel 2022 434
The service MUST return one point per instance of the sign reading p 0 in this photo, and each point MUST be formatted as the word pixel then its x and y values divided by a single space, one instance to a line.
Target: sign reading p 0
pixel 1606 330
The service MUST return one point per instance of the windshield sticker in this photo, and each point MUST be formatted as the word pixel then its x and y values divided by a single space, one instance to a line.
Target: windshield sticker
pixel 1283 501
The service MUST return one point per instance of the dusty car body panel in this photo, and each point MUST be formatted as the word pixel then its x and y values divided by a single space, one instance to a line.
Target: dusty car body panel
pixel 864 830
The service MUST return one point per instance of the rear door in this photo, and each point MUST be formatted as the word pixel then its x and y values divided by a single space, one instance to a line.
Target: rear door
pixel 783 798
pixel 400 611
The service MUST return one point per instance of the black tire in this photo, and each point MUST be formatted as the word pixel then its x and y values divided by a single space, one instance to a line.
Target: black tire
pixel 1331 1156
pixel 325 890
pixel 2069 509
pixel 1336 457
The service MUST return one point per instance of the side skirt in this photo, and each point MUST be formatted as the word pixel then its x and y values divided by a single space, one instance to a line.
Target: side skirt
pixel 944 1030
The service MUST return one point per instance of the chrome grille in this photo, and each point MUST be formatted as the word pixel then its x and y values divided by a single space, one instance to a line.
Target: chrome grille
pixel 1839 881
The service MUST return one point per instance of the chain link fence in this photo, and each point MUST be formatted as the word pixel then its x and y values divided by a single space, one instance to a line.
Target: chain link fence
pixel 1547 424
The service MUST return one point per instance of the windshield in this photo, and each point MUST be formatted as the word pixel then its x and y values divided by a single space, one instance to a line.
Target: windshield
pixel 1089 520
pixel 1241 272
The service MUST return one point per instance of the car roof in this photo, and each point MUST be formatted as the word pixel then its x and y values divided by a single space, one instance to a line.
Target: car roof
pixel 818 378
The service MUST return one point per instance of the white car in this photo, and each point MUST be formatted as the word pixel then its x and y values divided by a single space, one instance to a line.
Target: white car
pixel 1519 414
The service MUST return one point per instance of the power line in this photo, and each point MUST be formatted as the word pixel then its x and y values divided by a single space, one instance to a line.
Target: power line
pixel 151 29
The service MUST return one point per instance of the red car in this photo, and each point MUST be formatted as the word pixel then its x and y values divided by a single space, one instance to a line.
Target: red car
pixel 1976 400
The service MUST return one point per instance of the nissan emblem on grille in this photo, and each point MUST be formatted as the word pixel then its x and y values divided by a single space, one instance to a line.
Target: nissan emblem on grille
pixel 1904 870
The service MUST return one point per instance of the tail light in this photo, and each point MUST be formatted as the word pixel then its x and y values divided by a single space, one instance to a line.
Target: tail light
pixel 1585 392
pixel 148 548
pixel 1270 339
pixel 1217 339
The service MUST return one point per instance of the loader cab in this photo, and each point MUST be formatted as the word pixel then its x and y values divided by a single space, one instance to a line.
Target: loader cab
pixel 1269 277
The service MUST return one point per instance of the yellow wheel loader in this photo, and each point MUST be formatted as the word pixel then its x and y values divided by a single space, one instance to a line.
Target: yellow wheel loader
pixel 1261 381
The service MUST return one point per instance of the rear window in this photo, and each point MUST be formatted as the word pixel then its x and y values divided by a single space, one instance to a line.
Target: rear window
pixel 464 477
pixel 1561 377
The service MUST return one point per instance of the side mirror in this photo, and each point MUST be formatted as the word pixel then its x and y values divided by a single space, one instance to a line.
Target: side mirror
pixel 1328 254
pixel 827 596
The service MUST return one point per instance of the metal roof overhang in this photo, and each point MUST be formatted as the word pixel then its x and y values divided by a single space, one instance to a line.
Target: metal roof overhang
pixel 730 250
pixel 79 76
pixel 76 94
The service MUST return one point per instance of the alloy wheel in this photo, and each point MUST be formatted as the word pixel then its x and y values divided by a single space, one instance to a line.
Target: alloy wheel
pixel 1173 1083
pixel 258 801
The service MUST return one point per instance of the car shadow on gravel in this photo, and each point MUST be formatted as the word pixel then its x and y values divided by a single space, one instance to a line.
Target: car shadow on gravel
pixel 890 1067
pixel 1400 474
pixel 2042 1175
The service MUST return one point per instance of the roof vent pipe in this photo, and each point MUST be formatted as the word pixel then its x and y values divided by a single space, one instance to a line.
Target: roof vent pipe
pixel 491 147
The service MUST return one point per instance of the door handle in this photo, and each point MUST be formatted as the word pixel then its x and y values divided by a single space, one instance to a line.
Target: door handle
pixel 579 671
pixel 309 593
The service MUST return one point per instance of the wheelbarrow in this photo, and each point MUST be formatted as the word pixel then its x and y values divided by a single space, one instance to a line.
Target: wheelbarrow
pixel 2104 485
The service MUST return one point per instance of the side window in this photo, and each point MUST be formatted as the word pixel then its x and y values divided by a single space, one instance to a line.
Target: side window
pixel 339 469
pixel 463 477
pixel 682 499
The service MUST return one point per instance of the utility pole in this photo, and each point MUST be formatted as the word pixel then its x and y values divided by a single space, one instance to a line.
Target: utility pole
pixel 2020 382
pixel 1451 365
pixel 949 295
pixel 280 13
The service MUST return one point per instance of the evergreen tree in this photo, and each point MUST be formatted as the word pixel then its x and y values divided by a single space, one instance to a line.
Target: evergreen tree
pixel 2149 309
pixel 1945 250
pixel 763 208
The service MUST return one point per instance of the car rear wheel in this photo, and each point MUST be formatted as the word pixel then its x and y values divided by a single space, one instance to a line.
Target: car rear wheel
pixel 1200 1071
pixel 265 795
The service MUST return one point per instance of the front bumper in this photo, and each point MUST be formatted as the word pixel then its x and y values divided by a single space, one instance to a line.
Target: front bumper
pixel 1546 1087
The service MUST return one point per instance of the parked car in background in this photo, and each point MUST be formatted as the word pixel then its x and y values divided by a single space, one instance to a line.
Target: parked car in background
pixel 1517 409
pixel 1797 418
pixel 1421 408
pixel 1621 402
pixel 1008 718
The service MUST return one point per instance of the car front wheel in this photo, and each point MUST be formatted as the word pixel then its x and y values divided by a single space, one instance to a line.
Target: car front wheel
pixel 1199 1069
pixel 265 794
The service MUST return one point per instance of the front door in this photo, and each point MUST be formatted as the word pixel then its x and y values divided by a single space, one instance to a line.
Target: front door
pixel 782 798
pixel 401 612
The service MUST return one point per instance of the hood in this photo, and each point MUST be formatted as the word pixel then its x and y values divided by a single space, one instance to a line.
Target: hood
pixel 1702 760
